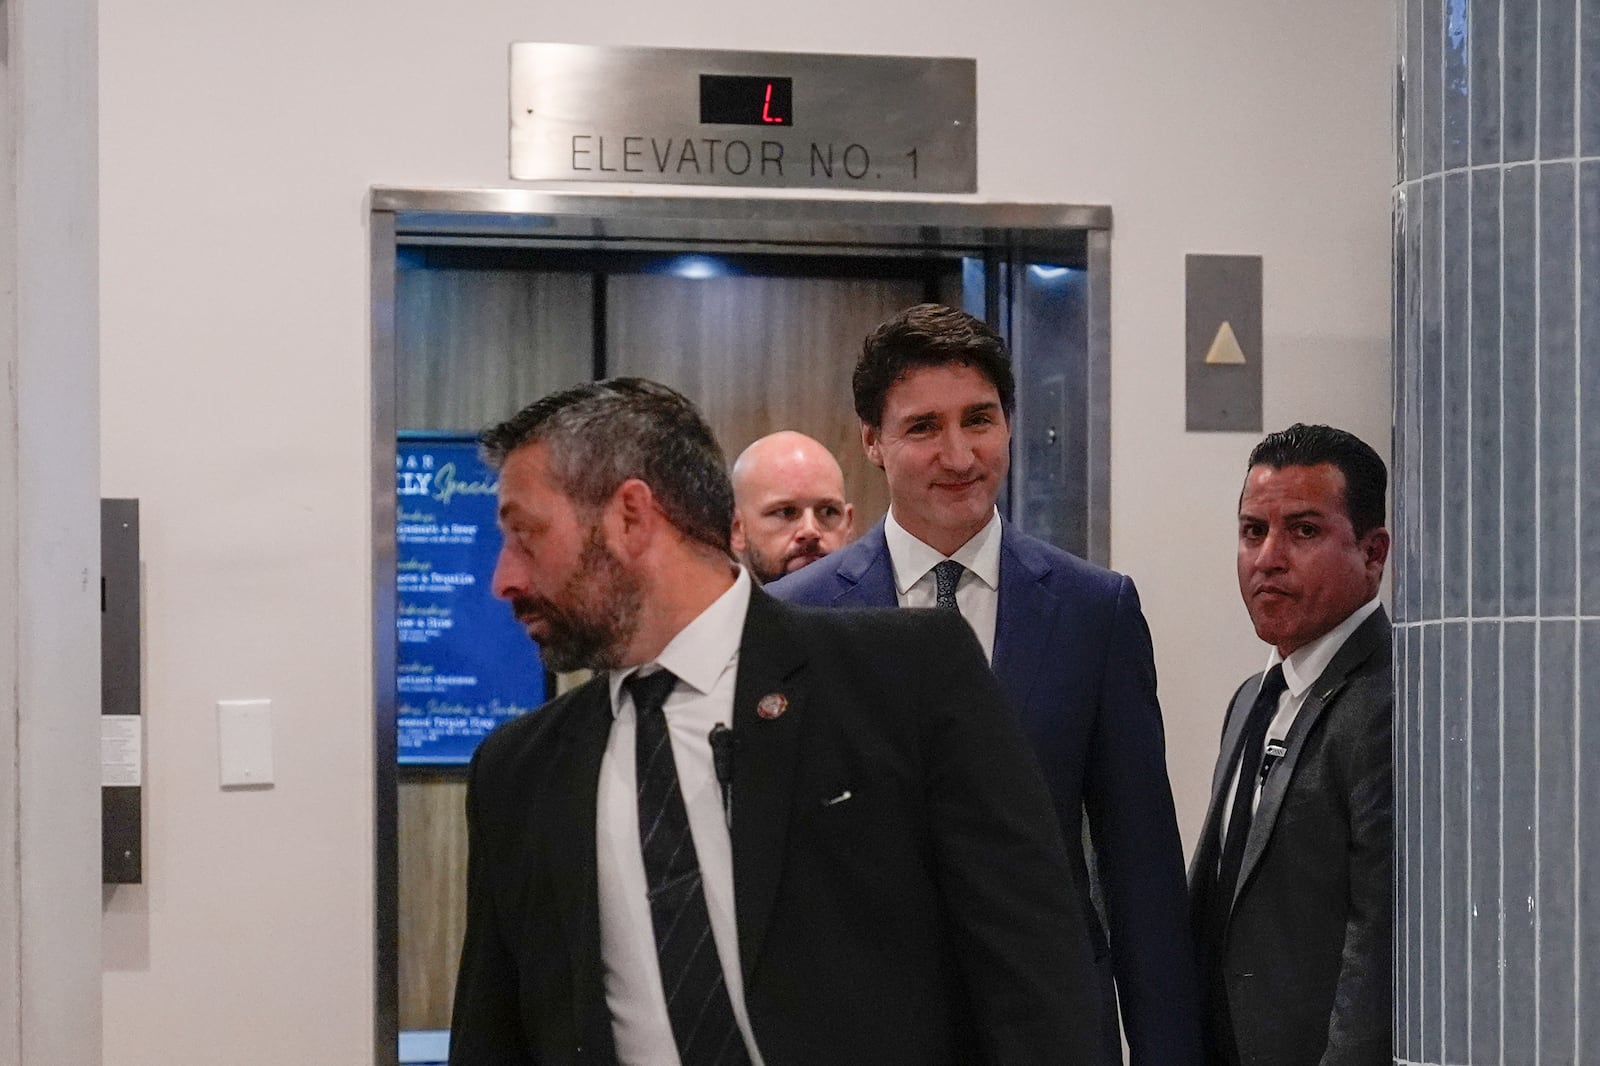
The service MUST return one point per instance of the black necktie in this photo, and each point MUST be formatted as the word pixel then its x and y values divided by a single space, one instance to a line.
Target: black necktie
pixel 1218 906
pixel 1262 711
pixel 691 971
pixel 946 576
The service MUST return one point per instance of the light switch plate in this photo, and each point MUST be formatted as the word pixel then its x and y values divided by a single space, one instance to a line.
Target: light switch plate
pixel 244 742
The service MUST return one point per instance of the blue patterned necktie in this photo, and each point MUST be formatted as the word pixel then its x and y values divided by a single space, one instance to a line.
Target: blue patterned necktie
pixel 698 1005
pixel 946 576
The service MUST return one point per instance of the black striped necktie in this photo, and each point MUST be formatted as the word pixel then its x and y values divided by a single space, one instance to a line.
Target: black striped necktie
pixel 691 971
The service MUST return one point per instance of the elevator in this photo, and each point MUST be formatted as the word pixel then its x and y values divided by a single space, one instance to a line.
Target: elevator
pixel 755 308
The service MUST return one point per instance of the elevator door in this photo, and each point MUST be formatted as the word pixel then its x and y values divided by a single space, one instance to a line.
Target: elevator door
pixel 762 335
pixel 759 344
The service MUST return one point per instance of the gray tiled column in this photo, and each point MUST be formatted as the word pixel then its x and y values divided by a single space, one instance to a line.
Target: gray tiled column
pixel 1497 532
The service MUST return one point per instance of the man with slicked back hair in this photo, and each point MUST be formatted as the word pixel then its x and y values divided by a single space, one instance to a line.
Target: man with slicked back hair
pixel 1291 886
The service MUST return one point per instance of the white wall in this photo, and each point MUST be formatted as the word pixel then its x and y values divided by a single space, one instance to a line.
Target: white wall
pixel 238 142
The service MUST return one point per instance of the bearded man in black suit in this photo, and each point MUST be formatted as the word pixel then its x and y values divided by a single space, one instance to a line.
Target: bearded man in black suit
pixel 761 834
pixel 1292 885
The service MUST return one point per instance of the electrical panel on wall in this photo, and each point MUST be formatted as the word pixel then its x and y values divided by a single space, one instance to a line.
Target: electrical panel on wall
pixel 121 726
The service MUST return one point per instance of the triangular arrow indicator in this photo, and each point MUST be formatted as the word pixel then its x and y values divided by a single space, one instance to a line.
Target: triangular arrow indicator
pixel 1225 350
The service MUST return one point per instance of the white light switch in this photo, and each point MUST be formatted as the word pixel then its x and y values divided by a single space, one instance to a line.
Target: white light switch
pixel 244 742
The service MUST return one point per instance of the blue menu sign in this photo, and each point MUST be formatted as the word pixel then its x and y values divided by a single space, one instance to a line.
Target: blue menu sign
pixel 464 664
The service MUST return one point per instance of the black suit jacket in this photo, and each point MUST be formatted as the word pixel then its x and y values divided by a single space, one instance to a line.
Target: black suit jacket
pixel 926 920
pixel 1072 651
pixel 1307 957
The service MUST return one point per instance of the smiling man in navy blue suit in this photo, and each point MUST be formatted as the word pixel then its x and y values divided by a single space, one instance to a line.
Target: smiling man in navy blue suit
pixel 934 393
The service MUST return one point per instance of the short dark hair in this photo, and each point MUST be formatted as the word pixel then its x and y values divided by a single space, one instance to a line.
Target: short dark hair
pixel 1366 479
pixel 922 336
pixel 605 432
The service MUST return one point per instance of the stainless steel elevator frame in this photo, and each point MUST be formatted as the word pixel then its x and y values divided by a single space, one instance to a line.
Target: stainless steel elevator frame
pixel 820 226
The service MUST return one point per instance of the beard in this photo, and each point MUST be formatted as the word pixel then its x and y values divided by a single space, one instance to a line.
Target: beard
pixel 766 571
pixel 591 619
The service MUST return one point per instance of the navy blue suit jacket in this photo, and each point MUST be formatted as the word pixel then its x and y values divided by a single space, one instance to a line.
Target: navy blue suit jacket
pixel 1073 653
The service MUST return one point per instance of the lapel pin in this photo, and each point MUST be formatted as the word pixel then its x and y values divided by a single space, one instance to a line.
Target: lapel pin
pixel 772 705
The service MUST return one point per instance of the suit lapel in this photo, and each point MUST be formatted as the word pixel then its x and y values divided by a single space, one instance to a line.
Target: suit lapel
pixel 1206 854
pixel 770 663
pixel 1232 738
pixel 1025 616
pixel 1324 691
pixel 866 573
pixel 572 810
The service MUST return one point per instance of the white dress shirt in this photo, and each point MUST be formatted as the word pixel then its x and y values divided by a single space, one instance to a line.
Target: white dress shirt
pixel 1303 666
pixel 978 591
pixel 705 657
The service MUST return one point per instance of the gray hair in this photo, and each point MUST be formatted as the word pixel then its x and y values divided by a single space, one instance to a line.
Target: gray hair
pixel 605 432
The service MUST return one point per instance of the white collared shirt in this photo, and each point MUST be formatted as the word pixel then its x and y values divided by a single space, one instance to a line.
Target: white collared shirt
pixel 705 657
pixel 978 591
pixel 1303 666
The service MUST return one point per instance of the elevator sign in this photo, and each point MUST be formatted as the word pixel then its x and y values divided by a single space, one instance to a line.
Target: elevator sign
pixel 745 119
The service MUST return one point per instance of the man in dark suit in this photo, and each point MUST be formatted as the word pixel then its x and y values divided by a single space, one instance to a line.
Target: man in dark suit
pixel 934 391
pixel 862 869
pixel 1291 885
